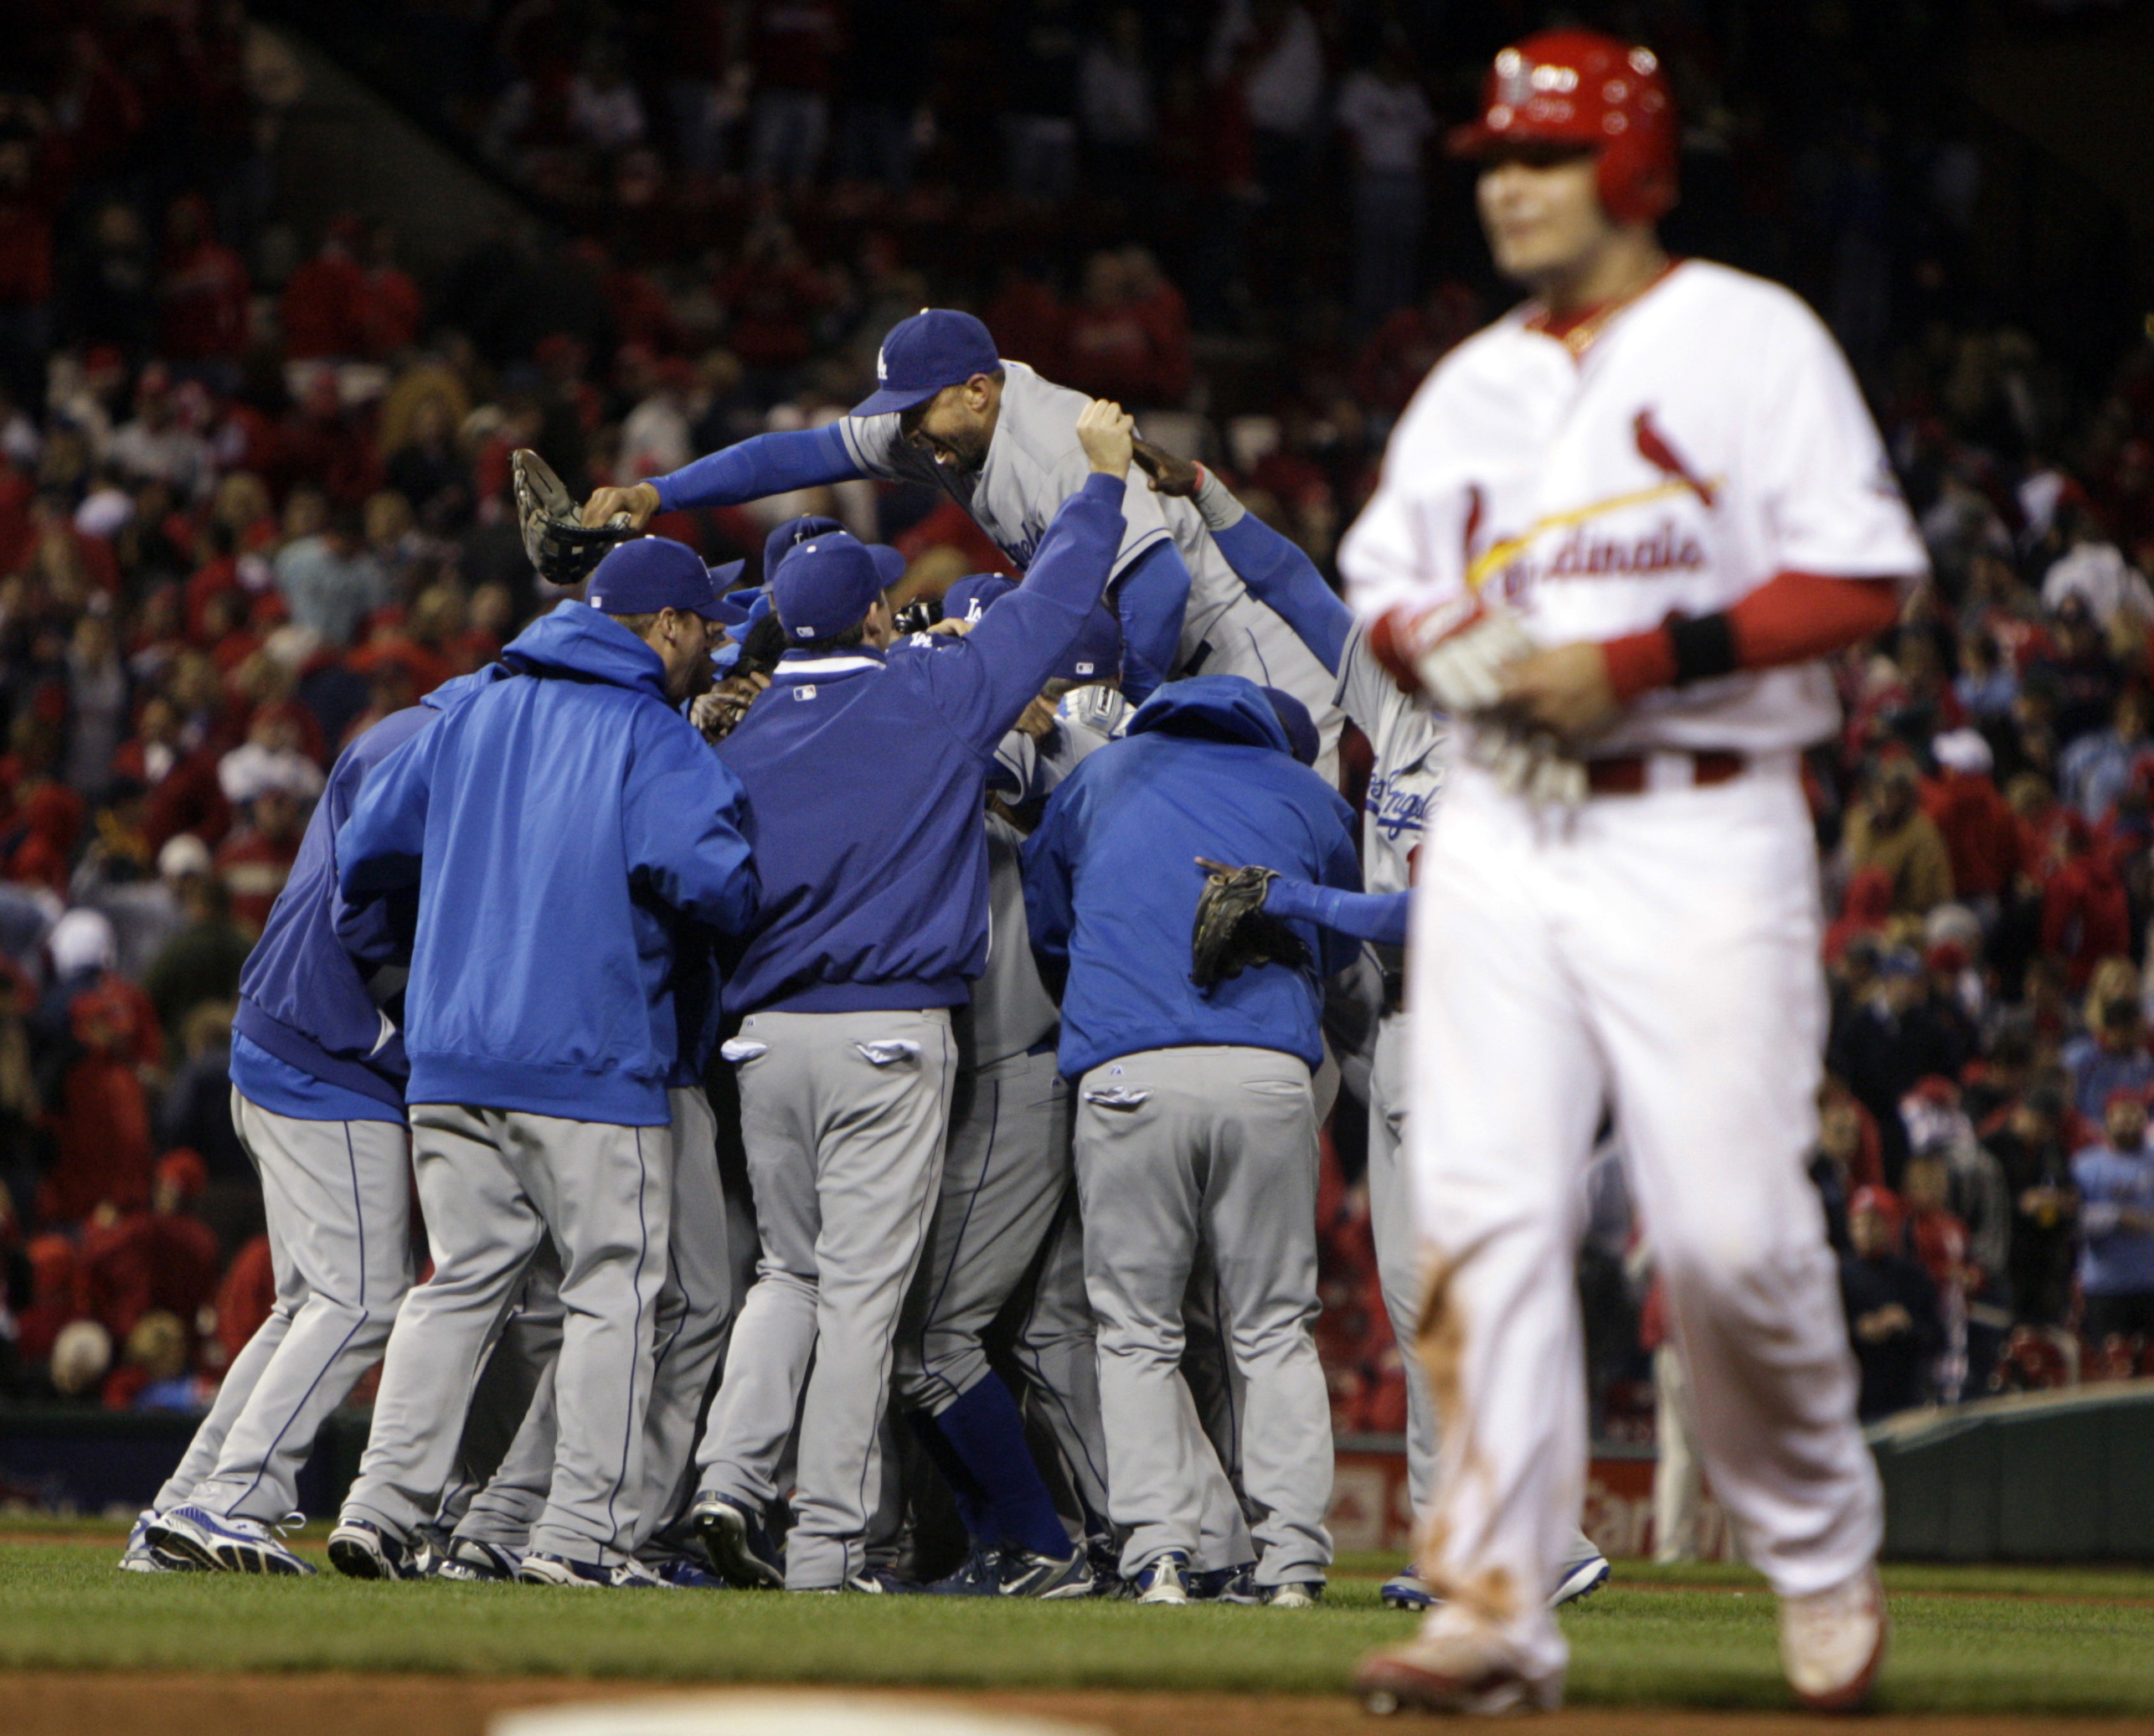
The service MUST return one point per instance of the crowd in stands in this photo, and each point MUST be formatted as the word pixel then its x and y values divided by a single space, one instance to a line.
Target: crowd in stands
pixel 254 497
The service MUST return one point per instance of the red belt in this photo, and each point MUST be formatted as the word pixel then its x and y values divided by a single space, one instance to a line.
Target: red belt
pixel 1630 773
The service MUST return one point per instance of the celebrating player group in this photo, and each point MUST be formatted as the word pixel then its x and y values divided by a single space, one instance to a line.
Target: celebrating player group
pixel 850 1075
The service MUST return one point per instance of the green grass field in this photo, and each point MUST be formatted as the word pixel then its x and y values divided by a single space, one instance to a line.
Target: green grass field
pixel 1987 1639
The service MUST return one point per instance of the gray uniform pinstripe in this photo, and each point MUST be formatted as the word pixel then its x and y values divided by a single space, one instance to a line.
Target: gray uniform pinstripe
pixel 844 1115
pixel 336 1195
pixel 494 1184
pixel 694 1308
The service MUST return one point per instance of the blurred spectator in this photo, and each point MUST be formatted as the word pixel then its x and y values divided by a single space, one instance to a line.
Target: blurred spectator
pixel 152 1377
pixel 2030 1149
pixel 202 291
pixel 796 44
pixel 1889 831
pixel 388 308
pixel 1270 49
pixel 2116 1184
pixel 2095 573
pixel 2098 768
pixel 2112 1056
pixel 329 581
pixel 81 1354
pixel 319 308
pixel 165 1258
pixel 102 1042
pixel 1115 103
pixel 1892 1319
pixel 197 1115
pixel 201 961
pixel 1383 112
pixel 1982 837
pixel 1042 51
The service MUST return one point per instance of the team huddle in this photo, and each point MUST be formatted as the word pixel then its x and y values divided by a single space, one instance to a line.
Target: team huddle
pixel 1000 952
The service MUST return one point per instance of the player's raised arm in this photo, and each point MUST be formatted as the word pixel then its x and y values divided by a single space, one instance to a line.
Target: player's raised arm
pixel 1009 655
pixel 1276 571
pixel 762 464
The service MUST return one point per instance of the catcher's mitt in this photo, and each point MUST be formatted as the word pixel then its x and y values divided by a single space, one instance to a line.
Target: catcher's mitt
pixel 1232 931
pixel 562 547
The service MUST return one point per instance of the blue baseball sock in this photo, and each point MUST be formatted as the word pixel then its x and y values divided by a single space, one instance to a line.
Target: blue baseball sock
pixel 984 1430
pixel 971 1499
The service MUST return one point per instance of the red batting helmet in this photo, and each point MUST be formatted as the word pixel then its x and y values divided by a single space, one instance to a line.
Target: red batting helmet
pixel 1578 87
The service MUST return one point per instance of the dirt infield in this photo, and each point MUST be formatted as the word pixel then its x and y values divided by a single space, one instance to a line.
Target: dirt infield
pixel 66 1703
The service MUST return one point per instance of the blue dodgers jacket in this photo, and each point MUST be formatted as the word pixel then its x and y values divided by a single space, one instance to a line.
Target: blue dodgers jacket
pixel 1111 880
pixel 303 999
pixel 559 829
pixel 866 775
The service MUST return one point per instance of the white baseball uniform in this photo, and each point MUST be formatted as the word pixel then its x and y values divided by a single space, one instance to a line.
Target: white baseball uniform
pixel 1660 950
pixel 1034 464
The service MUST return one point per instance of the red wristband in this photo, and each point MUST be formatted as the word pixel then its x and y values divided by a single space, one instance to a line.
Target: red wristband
pixel 1639 662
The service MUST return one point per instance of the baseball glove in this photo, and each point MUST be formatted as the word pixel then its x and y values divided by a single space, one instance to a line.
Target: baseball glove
pixel 559 544
pixel 1232 931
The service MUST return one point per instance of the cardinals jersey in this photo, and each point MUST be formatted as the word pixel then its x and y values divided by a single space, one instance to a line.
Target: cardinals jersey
pixel 1709 435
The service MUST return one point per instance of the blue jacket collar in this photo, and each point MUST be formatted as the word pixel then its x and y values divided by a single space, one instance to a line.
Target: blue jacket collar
pixel 1213 708
pixel 576 639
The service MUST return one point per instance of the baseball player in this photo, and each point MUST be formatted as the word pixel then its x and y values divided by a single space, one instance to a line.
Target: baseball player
pixel 317 1100
pixel 873 869
pixel 565 833
pixel 1405 780
pixel 1196 1119
pixel 996 438
pixel 1615 533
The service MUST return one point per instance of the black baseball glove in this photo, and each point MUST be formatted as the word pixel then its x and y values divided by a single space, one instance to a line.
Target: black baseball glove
pixel 1232 931
pixel 559 543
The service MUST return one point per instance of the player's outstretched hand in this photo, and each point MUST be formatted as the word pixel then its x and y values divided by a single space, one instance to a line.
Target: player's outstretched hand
pixel 1169 474
pixel 1565 690
pixel 639 501
pixel 1108 435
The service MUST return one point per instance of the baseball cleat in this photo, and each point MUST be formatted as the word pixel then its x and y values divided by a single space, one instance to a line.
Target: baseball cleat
pixel 470 1559
pixel 1406 1589
pixel 683 1574
pixel 361 1550
pixel 1582 1575
pixel 1105 1556
pixel 1461 1671
pixel 1832 1643
pixel 141 1556
pixel 1225 1585
pixel 1295 1595
pixel 222 1545
pixel 1024 1574
pixel 741 1550
pixel 1164 1579
pixel 541 1569
pixel 981 1576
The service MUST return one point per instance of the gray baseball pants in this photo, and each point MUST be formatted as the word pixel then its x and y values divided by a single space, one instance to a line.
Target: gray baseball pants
pixel 478 1502
pixel 1214 1145
pixel 694 1305
pixel 336 1197
pixel 494 1184
pixel 1399 1244
pixel 1005 1174
pixel 844 1116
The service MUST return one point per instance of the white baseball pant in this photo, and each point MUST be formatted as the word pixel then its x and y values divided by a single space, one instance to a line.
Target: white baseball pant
pixel 1660 950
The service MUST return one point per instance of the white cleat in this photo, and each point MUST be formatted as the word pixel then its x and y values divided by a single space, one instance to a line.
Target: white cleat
pixel 1832 1643
pixel 1458 1669
pixel 1582 1575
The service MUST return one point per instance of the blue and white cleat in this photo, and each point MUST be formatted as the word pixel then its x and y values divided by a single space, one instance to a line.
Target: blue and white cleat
pixel 1225 1585
pixel 1585 1573
pixel 140 1557
pixel 1022 1574
pixel 360 1550
pixel 1406 1589
pixel 223 1545
pixel 739 1547
pixel 473 1561
pixel 1164 1579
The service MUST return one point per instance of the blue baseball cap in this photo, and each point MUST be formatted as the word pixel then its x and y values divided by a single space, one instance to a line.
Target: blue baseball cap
pixel 888 562
pixel 734 610
pixel 937 346
pixel 1294 719
pixel 1095 654
pixel 970 596
pixel 788 536
pixel 824 587
pixel 647 574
